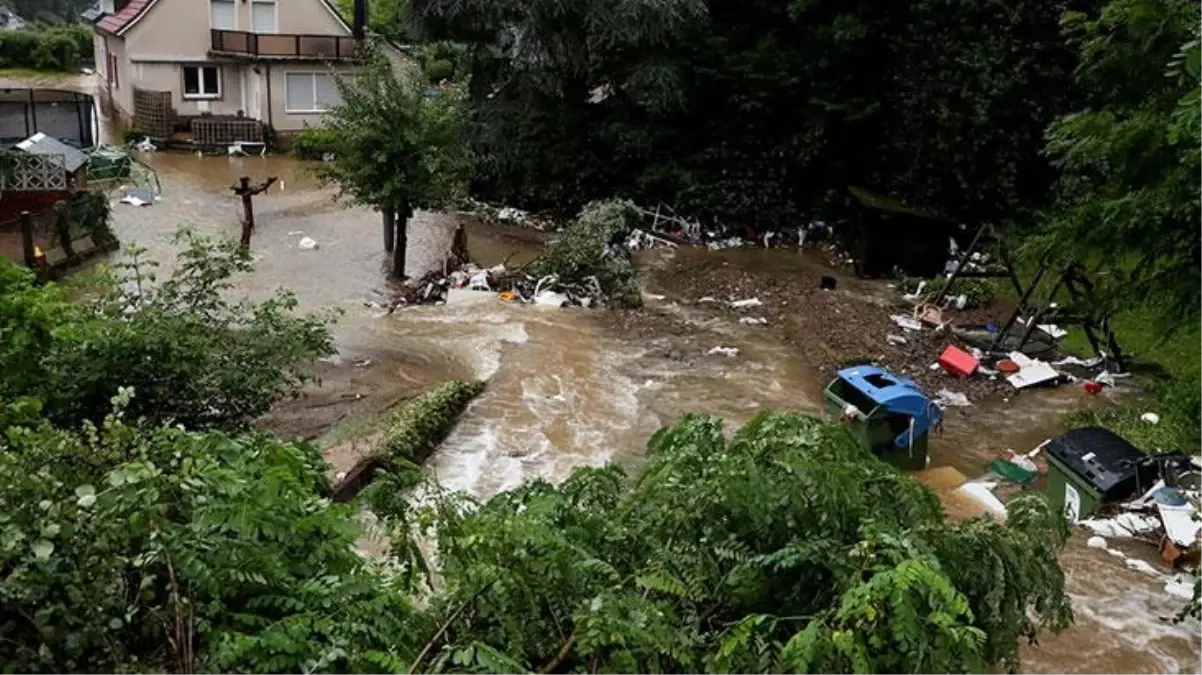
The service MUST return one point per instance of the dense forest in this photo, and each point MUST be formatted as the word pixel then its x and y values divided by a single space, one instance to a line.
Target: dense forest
pixel 146 525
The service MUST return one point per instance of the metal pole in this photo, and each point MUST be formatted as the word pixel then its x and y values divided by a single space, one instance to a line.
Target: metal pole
pixel 1022 302
pixel 27 239
pixel 963 261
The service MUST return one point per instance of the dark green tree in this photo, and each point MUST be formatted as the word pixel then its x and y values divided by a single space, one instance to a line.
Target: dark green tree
pixel 192 355
pixel 397 147
pixel 1128 199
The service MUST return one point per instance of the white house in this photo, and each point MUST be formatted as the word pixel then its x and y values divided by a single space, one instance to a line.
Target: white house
pixel 266 60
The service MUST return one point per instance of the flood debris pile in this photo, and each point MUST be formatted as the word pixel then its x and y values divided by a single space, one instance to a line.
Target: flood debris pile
pixel 586 265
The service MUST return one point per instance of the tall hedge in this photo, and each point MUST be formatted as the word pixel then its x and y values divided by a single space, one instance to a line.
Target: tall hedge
pixel 57 48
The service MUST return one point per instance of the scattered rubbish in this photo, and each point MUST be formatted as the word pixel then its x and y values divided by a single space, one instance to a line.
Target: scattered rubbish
pixel 145 145
pixel 1092 387
pixel 328 157
pixel 982 493
pixel 137 196
pixel 906 323
pixel 1011 470
pixel 1007 366
pixel 724 351
pixel 947 398
pixel 827 283
pixel 1074 361
pixel 1150 418
pixel 1052 329
pixel 1108 378
pixel 1179 523
pixel 1123 526
pixel 958 362
pixel 1096 542
pixel 1180 586
pixel 295 233
pixel 960 301
pixel 917 292
pixel 707 299
pixel 362 363
pixel 753 320
pixel 550 299
pixel 1142 566
pixel 1030 371
pixel 930 315
pixel 745 304
pixel 895 339
pixel 307 244
pixel 507 296
pixel 641 239
pixel 935 366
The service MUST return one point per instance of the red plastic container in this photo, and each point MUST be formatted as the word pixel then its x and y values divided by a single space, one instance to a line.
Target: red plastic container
pixel 958 362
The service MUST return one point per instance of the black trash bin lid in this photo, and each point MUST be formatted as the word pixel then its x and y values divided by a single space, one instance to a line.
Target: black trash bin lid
pixel 1099 457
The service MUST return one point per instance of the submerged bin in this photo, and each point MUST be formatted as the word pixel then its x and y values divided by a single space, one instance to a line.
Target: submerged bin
pixel 892 418
pixel 1089 467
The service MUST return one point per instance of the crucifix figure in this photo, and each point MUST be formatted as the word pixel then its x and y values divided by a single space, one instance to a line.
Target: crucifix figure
pixel 246 191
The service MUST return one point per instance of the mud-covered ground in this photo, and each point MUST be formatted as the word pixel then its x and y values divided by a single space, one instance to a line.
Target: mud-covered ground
pixel 828 328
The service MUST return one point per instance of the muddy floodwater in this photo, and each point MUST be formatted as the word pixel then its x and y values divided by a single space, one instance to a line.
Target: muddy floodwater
pixel 573 387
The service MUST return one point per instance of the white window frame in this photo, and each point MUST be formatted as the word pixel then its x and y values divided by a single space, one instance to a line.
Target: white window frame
pixel 275 29
pixel 200 81
pixel 313 80
pixel 211 26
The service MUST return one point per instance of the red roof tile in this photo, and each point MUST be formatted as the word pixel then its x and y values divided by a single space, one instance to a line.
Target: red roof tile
pixel 117 22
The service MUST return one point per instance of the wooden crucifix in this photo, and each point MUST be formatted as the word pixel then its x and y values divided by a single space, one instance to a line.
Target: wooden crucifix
pixel 246 191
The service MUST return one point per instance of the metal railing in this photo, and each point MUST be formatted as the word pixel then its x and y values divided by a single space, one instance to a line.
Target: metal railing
pixel 275 45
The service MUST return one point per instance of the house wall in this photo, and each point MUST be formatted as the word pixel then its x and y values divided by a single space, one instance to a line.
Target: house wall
pixel 298 17
pixel 121 88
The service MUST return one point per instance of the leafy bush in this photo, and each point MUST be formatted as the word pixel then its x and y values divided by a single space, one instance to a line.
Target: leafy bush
pixel 592 246
pixel 314 143
pixel 193 356
pixel 58 48
pixel 127 549
pixel 439 70
pixel 421 424
pixel 786 549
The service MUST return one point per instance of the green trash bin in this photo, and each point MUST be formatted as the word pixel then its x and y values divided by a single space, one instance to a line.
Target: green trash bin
pixel 894 419
pixel 1091 467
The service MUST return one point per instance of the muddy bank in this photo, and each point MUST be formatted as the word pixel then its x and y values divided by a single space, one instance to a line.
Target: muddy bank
pixel 828 328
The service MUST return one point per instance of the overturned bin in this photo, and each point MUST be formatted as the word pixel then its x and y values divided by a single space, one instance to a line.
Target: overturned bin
pixel 1090 467
pixel 887 413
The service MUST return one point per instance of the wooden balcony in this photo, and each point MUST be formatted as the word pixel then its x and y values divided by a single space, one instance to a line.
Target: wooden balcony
pixel 282 46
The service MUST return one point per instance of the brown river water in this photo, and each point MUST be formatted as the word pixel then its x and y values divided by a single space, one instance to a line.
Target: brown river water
pixel 568 389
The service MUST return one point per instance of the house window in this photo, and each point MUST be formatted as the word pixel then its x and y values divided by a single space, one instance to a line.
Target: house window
pixel 202 82
pixel 263 16
pixel 310 93
pixel 224 14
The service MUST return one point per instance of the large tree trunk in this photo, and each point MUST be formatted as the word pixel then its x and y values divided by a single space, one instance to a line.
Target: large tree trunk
pixel 388 216
pixel 403 213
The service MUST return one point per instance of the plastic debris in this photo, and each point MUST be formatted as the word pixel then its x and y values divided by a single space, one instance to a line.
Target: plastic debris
pixel 307 244
pixel 550 299
pixel 895 339
pixel 1150 418
pixel 753 320
pixel 1096 542
pixel 982 493
pixel 1031 371
pixel 958 362
pixel 1092 387
pixel 707 299
pixel 1180 586
pixel 960 301
pixel 1074 361
pixel 746 304
pixel 917 292
pixel 1123 525
pixel 906 323
pixel 146 146
pixel 1179 523
pixel 724 351
pixel 946 398
pixel 1142 566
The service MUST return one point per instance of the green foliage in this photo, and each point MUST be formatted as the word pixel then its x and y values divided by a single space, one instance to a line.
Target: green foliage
pixel 193 356
pixel 752 113
pixel 52 12
pixel 421 424
pixel 314 144
pixel 978 291
pixel 1128 197
pixel 58 48
pixel 394 147
pixel 162 549
pixel 439 70
pixel 387 18
pixel 786 548
pixel 592 246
